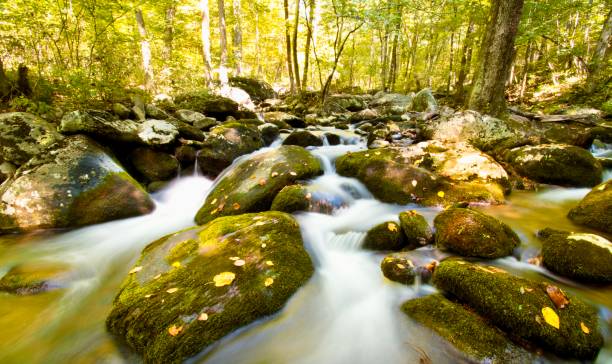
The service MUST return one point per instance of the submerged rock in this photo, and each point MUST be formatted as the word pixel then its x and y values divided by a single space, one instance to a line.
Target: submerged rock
pixel 303 138
pixel 556 164
pixel 154 165
pixel 74 185
pixel 35 277
pixel 291 199
pixel 385 236
pixel 192 288
pixel 595 209
pixel 23 136
pixel 416 229
pixel 523 308
pixel 251 185
pixel 465 330
pixel 397 267
pixel 580 256
pixel 471 233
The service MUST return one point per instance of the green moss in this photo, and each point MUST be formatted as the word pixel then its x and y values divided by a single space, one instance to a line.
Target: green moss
pixel 210 105
pixel 584 257
pixel 291 199
pixel 303 138
pixel 33 278
pixel 471 233
pixel 252 185
pixel 385 236
pixel 465 330
pixel 515 305
pixel 271 247
pixel 398 268
pixel 595 210
pixel 416 229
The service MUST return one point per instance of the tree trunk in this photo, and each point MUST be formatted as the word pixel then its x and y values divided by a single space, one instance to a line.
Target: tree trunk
pixel 393 64
pixel 288 44
pixel 598 63
pixel 168 40
pixel 496 54
pixel 525 75
pixel 5 85
pixel 205 35
pixel 237 37
pixel 310 22
pixel 450 66
pixel 23 82
pixel 296 65
pixel 223 77
pixel 145 49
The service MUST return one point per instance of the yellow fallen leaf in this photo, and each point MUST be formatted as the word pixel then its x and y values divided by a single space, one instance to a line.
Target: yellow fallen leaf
pixel 584 328
pixel 176 264
pixel 550 316
pixel 203 316
pixel 239 263
pixel 400 266
pixel 293 173
pixel 367 154
pixel 172 290
pixel 135 270
pixel 236 206
pixel 264 245
pixel 441 194
pixel 148 295
pixel 214 201
pixel 224 279
pixel 269 263
pixel 274 174
pixel 175 330
pixel 377 153
pixel 268 282
pixel 234 258
pixel 392 227
pixel 157 276
pixel 262 182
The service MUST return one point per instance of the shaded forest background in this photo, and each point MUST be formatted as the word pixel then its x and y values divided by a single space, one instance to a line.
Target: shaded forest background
pixel 88 52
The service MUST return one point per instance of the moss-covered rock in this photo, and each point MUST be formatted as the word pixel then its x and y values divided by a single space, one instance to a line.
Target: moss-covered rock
pixel 284 120
pixel 303 138
pixel 191 288
pixel 158 132
pixel 341 103
pixel 74 185
pixel 269 132
pixel 385 236
pixel 257 90
pixel 580 256
pixel 518 306
pixel 465 330
pixel 416 229
pixel 23 136
pixel 424 101
pixel 214 106
pixel 188 131
pixel 251 185
pixel 225 143
pixel 398 268
pixel 34 277
pixel 100 125
pixel 471 233
pixel 291 199
pixel 595 209
pixel 154 165
pixel 394 104
pixel 556 164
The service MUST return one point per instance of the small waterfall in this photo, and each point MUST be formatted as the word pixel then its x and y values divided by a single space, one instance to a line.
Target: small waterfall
pixel 196 166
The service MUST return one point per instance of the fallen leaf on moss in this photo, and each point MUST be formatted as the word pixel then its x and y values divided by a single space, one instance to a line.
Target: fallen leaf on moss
pixel 269 263
pixel 392 227
pixel 268 282
pixel 441 194
pixel 584 328
pixel 203 317
pixel 414 183
pixel 172 290
pixel 550 316
pixel 148 295
pixel 264 245
pixel 274 174
pixel 214 201
pixel 224 279
pixel 175 330
pixel 236 206
pixel 293 173
pixel 239 263
pixel 262 182
pixel 557 296
pixel 400 266
pixel 176 264
pixel 135 270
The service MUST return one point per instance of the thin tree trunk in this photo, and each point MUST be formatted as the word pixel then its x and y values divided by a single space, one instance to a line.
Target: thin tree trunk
pixel 288 44
pixel 145 49
pixel 296 64
pixel 257 59
pixel 393 64
pixel 205 35
pixel 168 40
pixel 598 62
pixel 450 66
pixel 223 76
pixel 525 71
pixel 309 24
pixel 237 36
pixel 488 93
pixel 5 85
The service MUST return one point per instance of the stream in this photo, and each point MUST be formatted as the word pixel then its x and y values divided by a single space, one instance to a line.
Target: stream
pixel 347 313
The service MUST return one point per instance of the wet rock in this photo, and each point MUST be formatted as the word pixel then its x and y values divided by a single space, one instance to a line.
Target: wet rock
pixel 385 236
pixel 74 185
pixel 269 132
pixel 416 229
pixel 580 256
pixel 465 330
pixel 100 125
pixel 192 288
pixel 154 165
pixel 258 90
pixel 303 138
pixel 424 101
pixel 284 120
pixel 154 112
pixel 23 136
pixel 252 184
pixel 34 278
pixel 187 131
pixel 333 139
pixel 471 233
pixel 518 305
pixel 556 164
pixel 157 132
pixel 122 111
pixel 156 186
pixel 226 143
pixel 291 199
pixel 595 209
pixel 397 267
pixel 185 154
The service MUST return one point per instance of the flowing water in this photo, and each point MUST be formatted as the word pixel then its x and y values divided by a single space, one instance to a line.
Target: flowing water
pixel 347 313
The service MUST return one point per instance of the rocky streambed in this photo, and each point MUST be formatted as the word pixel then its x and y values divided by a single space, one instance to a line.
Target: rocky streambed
pixel 380 228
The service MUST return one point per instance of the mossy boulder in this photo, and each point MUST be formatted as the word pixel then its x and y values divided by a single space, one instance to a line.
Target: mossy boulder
pixel 251 185
pixel 34 277
pixel 188 131
pixel 291 199
pixel 225 143
pixel 416 229
pixel 556 164
pixel 518 306
pixel 214 106
pixel 303 138
pixel 465 330
pixel 154 165
pixel 158 132
pixel 385 236
pixel 595 209
pixel 269 132
pixel 424 101
pixel 23 136
pixel 580 256
pixel 192 288
pixel 390 103
pixel 154 112
pixel 257 90
pixel 76 184
pixel 471 233
pixel 100 125
pixel 341 103
pixel 284 120
pixel 397 267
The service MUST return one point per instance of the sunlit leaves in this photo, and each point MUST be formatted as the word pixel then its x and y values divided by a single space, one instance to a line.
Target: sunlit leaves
pixel 224 279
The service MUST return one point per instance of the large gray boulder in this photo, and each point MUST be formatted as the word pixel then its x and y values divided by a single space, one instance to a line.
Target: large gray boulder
pixel 100 125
